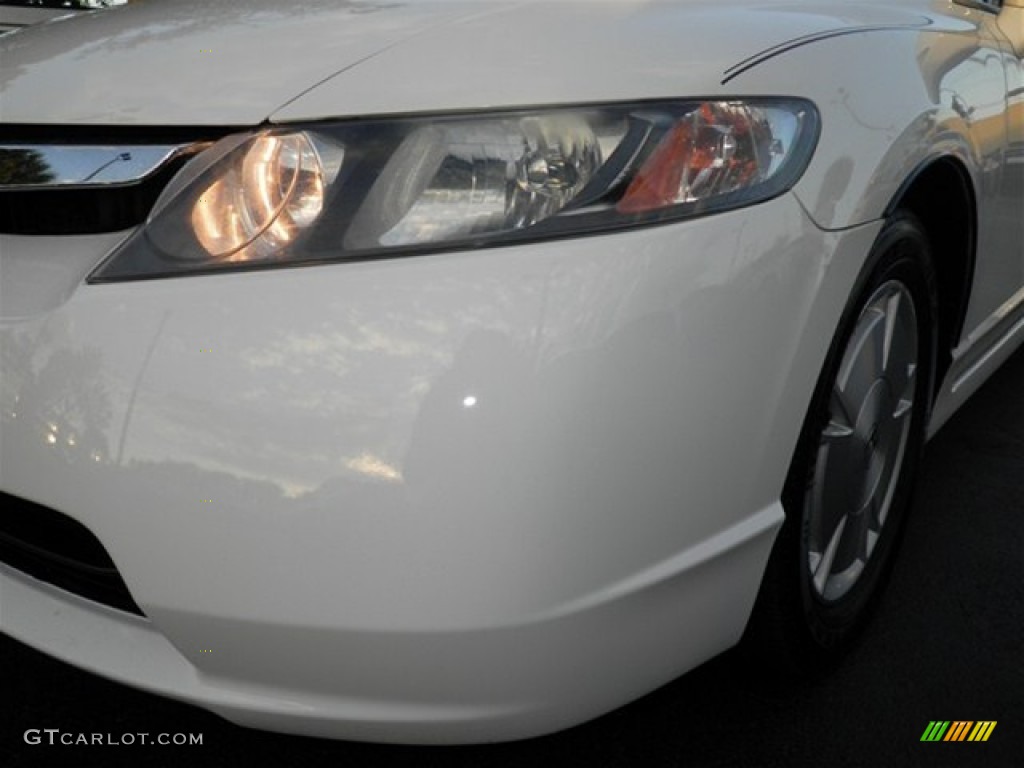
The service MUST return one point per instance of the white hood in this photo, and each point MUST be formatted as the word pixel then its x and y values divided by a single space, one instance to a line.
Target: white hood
pixel 229 62
pixel 196 62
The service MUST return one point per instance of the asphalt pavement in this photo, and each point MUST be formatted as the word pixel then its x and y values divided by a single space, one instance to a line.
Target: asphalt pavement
pixel 947 643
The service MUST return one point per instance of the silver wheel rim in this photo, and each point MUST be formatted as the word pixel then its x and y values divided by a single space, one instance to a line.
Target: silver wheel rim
pixel 862 446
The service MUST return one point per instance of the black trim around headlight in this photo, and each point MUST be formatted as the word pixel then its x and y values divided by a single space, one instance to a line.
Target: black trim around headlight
pixel 381 188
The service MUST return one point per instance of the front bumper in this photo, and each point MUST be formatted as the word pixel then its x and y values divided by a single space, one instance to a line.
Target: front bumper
pixel 458 497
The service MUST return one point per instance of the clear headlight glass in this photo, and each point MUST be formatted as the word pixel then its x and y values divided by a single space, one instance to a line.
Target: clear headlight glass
pixel 262 200
pixel 377 188
pixel 452 181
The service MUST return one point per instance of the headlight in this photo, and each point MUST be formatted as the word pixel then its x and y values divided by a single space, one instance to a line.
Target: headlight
pixel 259 203
pixel 374 188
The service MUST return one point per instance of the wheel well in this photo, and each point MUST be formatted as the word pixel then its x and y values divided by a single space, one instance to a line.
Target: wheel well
pixel 941 196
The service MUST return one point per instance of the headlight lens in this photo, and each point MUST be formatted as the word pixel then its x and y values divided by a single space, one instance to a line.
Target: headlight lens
pixel 365 189
pixel 261 200
pixel 446 182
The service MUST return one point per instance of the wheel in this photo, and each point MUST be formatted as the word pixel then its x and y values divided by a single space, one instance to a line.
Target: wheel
pixel 852 476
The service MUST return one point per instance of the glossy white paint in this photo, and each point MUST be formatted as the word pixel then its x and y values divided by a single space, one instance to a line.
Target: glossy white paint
pixel 475 495
pixel 933 79
pixel 310 427
pixel 466 55
pixel 201 67
pixel 322 392
pixel 661 50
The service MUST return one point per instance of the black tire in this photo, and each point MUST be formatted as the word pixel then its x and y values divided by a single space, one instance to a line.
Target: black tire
pixel 807 614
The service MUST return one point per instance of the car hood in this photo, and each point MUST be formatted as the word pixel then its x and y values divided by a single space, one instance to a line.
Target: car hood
pixel 193 62
pixel 196 62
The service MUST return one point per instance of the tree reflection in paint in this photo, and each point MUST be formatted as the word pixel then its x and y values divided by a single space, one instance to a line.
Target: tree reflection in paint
pixel 24 166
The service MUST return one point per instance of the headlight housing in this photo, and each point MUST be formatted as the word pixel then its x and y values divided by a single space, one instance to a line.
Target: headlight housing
pixel 362 189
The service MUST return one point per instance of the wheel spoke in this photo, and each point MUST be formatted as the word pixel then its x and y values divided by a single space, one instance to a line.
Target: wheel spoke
pixel 823 566
pixel 832 493
pixel 871 540
pixel 901 374
pixel 859 545
pixel 892 309
pixel 853 543
pixel 872 527
pixel 903 407
pixel 840 424
pixel 892 447
pixel 862 362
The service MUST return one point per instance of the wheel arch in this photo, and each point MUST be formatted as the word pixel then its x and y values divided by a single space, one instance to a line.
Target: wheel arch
pixel 940 193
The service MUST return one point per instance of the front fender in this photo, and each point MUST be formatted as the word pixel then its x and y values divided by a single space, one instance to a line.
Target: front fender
pixel 911 102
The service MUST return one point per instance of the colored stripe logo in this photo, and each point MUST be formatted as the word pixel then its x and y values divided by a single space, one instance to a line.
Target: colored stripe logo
pixel 958 730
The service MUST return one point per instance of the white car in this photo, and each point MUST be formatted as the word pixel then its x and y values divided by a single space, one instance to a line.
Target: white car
pixel 456 372
pixel 15 14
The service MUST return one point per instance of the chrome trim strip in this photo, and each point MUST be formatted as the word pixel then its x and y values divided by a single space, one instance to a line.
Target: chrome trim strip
pixel 1011 307
pixel 49 166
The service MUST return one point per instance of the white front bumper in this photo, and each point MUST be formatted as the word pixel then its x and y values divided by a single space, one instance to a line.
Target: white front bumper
pixel 457 497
